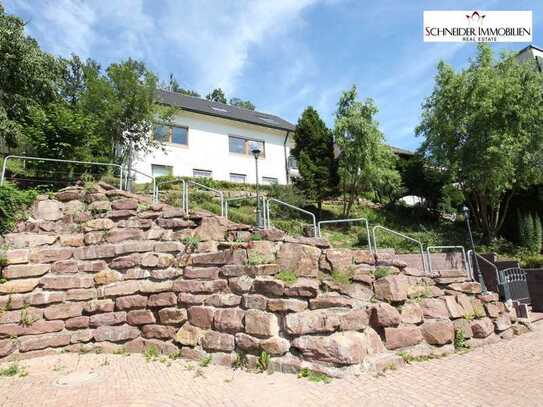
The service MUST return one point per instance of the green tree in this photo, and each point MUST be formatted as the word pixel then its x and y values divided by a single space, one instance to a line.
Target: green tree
pixel 217 95
pixel 174 86
pixel 245 104
pixel 537 238
pixel 314 151
pixel 28 78
pixel 366 163
pixel 483 126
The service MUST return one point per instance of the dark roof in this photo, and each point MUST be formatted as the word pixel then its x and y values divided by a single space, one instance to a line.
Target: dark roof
pixel 401 151
pixel 528 47
pixel 217 109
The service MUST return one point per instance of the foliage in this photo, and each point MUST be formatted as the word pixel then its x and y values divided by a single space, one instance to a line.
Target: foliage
pixel 533 262
pixel 13 370
pixel 366 164
pixel 342 277
pixel 459 340
pixel 174 86
pixel 245 104
pixel 483 126
pixel 263 362
pixel 13 203
pixel 529 231
pixel 151 353
pixel 241 361
pixel 381 272
pixel 409 358
pixel 191 242
pixel 205 361
pixel 216 95
pixel 312 376
pixel 287 276
pixel 255 258
pixel 314 152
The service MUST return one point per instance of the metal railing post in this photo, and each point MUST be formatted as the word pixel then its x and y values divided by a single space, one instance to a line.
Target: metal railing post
pixel 419 243
pixel 295 208
pixel 466 266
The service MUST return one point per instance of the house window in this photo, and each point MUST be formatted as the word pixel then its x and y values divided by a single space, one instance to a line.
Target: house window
pixel 270 181
pixel 292 163
pixel 172 135
pixel 202 173
pixel 161 170
pixel 239 178
pixel 240 145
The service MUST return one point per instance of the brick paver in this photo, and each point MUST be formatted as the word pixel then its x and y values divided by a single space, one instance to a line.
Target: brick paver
pixel 509 373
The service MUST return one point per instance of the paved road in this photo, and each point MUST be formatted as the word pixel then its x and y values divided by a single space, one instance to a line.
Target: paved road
pixel 509 373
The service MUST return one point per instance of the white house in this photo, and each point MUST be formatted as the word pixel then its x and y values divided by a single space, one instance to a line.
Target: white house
pixel 215 140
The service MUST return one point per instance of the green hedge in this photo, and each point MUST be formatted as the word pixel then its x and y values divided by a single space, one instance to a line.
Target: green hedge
pixel 13 203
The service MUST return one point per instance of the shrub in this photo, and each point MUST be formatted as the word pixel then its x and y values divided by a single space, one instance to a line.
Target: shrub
pixel 205 361
pixel 533 262
pixel 342 277
pixel 381 272
pixel 13 203
pixel 313 376
pixel 263 362
pixel 287 276
pixel 459 339
pixel 191 241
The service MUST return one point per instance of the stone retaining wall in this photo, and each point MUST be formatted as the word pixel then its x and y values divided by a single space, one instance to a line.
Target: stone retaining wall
pixel 101 268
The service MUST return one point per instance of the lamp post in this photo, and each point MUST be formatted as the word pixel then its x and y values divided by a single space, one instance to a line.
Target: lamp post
pixel 480 278
pixel 256 154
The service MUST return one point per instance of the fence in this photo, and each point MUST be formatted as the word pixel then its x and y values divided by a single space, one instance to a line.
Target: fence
pixel 182 192
pixel 277 201
pixel 263 204
pixel 217 192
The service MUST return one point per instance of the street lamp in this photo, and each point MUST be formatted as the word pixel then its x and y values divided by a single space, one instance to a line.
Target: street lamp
pixel 465 210
pixel 256 154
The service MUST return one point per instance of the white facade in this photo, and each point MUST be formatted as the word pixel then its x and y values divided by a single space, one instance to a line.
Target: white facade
pixel 207 151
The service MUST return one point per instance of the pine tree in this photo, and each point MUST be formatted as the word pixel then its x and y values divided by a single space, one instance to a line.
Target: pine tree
pixel 314 151
pixel 537 234
pixel 525 227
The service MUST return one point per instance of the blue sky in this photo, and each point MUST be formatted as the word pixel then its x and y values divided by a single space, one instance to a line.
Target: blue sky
pixel 281 54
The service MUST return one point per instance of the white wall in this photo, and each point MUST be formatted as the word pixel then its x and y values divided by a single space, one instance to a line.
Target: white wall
pixel 208 150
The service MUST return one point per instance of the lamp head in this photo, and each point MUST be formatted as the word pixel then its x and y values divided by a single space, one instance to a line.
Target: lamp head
pixel 256 152
pixel 465 210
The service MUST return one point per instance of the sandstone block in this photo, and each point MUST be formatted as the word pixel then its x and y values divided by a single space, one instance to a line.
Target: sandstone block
pixel 269 286
pixel 411 313
pixel 492 310
pixel 232 257
pixel 76 322
pixel 303 287
pixel 391 288
pixel 72 240
pixel 384 315
pixel 162 300
pixel 344 348
pixel 17 256
pixel 188 299
pixel 94 252
pixel 468 287
pixel 401 337
pixel 95 306
pixel 36 328
pixel 198 286
pixel 189 335
pixel 286 305
pixel 99 224
pixel 439 332
pixel 48 210
pixel 124 204
pixel 201 316
pixel 247 343
pixel 202 273
pixel 503 322
pixel 353 320
pixel 240 285
pixel 254 301
pixel 434 308
pixel 80 294
pixel 464 326
pixel 140 317
pixel 46 297
pixel 50 255
pixel 261 323
pixel 482 328
pixel 159 331
pixel 67 282
pixel 330 300
pixel 172 316
pixel 223 300
pixel 115 333
pixel 307 322
pixel 275 346
pixel 302 259
pixel 65 267
pixel 25 270
pixel 43 341
pixel 119 288
pixel 63 311
pixel 109 318
pixel 22 240
pixel 216 341
pixel 134 246
pixel 229 320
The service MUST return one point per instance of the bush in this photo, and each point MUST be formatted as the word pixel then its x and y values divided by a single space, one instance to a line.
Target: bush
pixel 532 262
pixel 13 203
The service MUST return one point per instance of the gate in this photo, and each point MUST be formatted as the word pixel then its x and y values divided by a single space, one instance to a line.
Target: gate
pixel 513 285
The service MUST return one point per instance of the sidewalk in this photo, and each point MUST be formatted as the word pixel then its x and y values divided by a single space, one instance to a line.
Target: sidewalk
pixel 504 374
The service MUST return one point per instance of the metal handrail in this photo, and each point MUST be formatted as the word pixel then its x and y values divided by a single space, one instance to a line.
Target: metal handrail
pixel 466 264
pixel 419 243
pixel 241 198
pixel 218 192
pixel 62 161
pixel 471 252
pixel 183 190
pixel 267 212
pixel 346 221
pixel 145 175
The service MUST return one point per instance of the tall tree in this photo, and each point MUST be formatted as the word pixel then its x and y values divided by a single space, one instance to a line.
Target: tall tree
pixel 314 151
pixel 174 86
pixel 366 163
pixel 245 104
pixel 484 126
pixel 217 95
pixel 28 78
